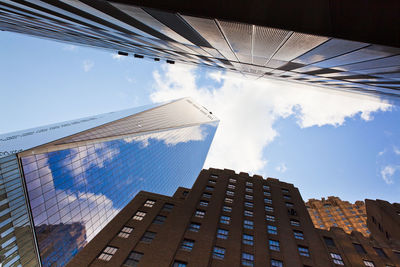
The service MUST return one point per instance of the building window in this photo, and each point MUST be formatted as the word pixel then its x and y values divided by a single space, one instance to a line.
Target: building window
pixel 248 239
pixel 107 253
pixel 267 194
pixel 289 204
pixel 200 213
pixel 225 219
pixel 249 184
pixel 222 234
pixel 185 193
pixel 298 235
pixel 248 204
pixel 228 200
pixel 287 197
pixel 248 213
pixel 247 259
pixel 303 251
pixel 227 209
pixel 249 190
pixel 360 249
pixel 285 191
pixel 369 263
pixel 133 259
pixel 270 218
pixel 231 186
pixel 187 244
pixel 329 241
pixel 266 187
pixel 139 215
pixel 194 227
pixel 248 197
pixel 209 188
pixel 206 195
pixel 273 230
pixel 159 219
pixel 276 263
pixel 232 180
pixel 380 252
pixel 212 182
pixel 125 232
pixel 274 245
pixel 179 264
pixel 294 222
pixel 230 193
pixel 248 224
pixel 168 207
pixel 149 203
pixel 218 253
pixel 214 176
pixel 337 259
pixel 269 209
pixel 148 237
pixel 203 203
pixel 267 201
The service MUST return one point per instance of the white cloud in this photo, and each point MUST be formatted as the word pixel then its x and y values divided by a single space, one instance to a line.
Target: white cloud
pixel 248 109
pixel 396 150
pixel 281 168
pixel 382 152
pixel 69 47
pixel 387 173
pixel 87 65
pixel 118 57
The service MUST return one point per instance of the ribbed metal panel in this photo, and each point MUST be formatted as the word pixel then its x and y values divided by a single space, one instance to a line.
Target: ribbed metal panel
pixel 267 41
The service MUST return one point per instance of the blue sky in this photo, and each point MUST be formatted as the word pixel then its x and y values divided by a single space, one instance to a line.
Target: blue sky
pixel 325 143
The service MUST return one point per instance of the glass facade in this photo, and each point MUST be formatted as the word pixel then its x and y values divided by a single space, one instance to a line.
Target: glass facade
pixel 75 185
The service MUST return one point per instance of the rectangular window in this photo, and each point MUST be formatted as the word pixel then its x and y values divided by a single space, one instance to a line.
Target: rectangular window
pixel 329 241
pixel 168 207
pixel 380 252
pixel 247 259
pixel 249 184
pixel 249 190
pixel 267 194
pixel 227 208
pixel 225 219
pixel 369 263
pixel 248 213
pixel 148 237
pixel 218 253
pixel 266 187
pixel 337 259
pixel 149 203
pixel 139 215
pixel 107 253
pixel 209 188
pixel 267 201
pixel 287 197
pixel 133 259
pixel 273 230
pixel 125 232
pixel 206 195
pixel 248 197
pixel 187 244
pixel 200 213
pixel 230 193
pixel 276 263
pixel 179 264
pixel 298 235
pixel 222 234
pixel 231 186
pixel 294 222
pixel 270 218
pixel 203 203
pixel 194 227
pixel 248 239
pixel 360 249
pixel 159 219
pixel 303 251
pixel 212 182
pixel 285 191
pixel 214 176
pixel 289 204
pixel 273 245
pixel 269 209
pixel 248 224
pixel 248 204
pixel 232 180
pixel 228 200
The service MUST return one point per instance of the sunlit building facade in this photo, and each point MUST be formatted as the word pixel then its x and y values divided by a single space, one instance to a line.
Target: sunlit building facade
pixel 304 42
pixel 61 184
pixel 334 212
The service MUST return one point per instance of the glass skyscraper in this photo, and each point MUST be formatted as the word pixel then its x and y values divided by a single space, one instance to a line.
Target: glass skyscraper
pixel 61 184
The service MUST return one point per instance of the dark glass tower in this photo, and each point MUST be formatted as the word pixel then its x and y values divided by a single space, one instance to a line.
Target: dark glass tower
pixel 63 183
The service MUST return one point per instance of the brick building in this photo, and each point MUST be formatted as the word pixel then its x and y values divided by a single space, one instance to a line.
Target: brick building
pixel 227 219
pixel 334 212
